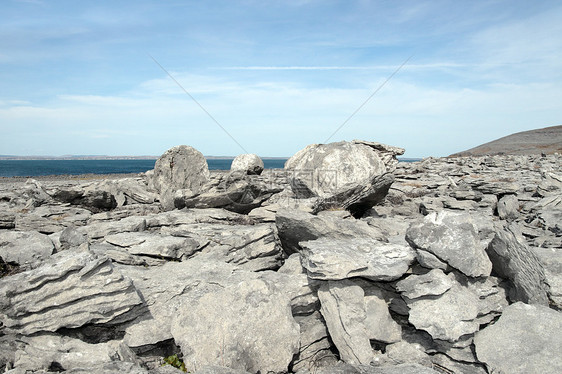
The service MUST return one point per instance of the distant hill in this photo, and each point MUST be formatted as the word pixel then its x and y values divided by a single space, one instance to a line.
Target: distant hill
pixel 546 140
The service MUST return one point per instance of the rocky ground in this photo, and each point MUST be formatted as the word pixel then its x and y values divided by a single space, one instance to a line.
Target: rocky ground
pixel 347 263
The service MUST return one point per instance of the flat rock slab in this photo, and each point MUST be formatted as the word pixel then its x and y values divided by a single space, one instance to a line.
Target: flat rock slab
pixel 327 259
pixel 433 283
pixel 526 339
pixel 151 244
pixel 25 247
pixel 343 308
pixel 448 316
pixel 70 289
pixel 452 238
pixel 248 326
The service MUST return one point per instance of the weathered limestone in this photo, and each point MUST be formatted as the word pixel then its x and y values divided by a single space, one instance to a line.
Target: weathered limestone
pixel 513 260
pixel 343 308
pixel 25 247
pixel 329 259
pixel 351 175
pixel 526 339
pixel 247 164
pixel 179 168
pixel 70 289
pixel 255 320
pixel 453 239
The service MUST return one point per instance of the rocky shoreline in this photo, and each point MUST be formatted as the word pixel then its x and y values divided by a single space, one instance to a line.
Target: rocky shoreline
pixel 346 261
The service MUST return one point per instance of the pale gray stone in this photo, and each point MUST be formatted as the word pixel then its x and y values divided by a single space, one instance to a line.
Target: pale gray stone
pixel 65 291
pixel 343 309
pixel 453 238
pixel 331 170
pixel 255 320
pixel 235 191
pixel 513 260
pixel 40 351
pixel 448 316
pixel 526 339
pixel 151 244
pixel 378 321
pixel 251 247
pixel 315 347
pixel 433 283
pixel 179 168
pixel 25 247
pixel 70 237
pixel 329 259
pixel 508 207
pixel 296 226
pixel 247 163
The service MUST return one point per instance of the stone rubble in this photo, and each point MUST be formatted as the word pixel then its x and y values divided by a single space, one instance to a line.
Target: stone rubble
pixel 450 265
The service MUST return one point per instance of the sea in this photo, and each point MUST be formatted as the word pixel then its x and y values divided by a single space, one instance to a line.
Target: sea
pixel 34 168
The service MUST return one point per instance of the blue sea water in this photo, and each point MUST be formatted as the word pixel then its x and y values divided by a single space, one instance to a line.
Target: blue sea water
pixel 33 168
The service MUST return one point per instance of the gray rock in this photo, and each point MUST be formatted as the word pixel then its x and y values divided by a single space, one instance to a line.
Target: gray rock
pixel 315 347
pixel 48 219
pixel 251 247
pixel 508 207
pixel 333 259
pixel 70 237
pixel 179 168
pixel 235 191
pixel 380 325
pixel 452 238
pixel 248 164
pixel 65 292
pixel 213 369
pixel 551 258
pixel 331 171
pixel 343 308
pixel 448 316
pixel 296 226
pixel 526 339
pixel 101 229
pixel 41 351
pixel 25 247
pixel 150 244
pixel 433 283
pixel 448 365
pixel 7 220
pixel 255 320
pixel 91 197
pixel 405 353
pixel 513 260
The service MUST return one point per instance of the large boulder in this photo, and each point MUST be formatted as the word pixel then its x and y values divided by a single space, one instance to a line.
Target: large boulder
pixel 179 168
pixel 352 175
pixel 447 238
pixel 526 339
pixel 247 164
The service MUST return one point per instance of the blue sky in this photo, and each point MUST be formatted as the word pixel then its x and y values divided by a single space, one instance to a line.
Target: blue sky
pixel 76 77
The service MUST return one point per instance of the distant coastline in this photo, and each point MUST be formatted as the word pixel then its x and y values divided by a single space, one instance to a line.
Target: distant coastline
pixel 102 157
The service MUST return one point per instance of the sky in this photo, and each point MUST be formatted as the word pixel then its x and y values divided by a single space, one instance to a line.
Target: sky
pixel 270 77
